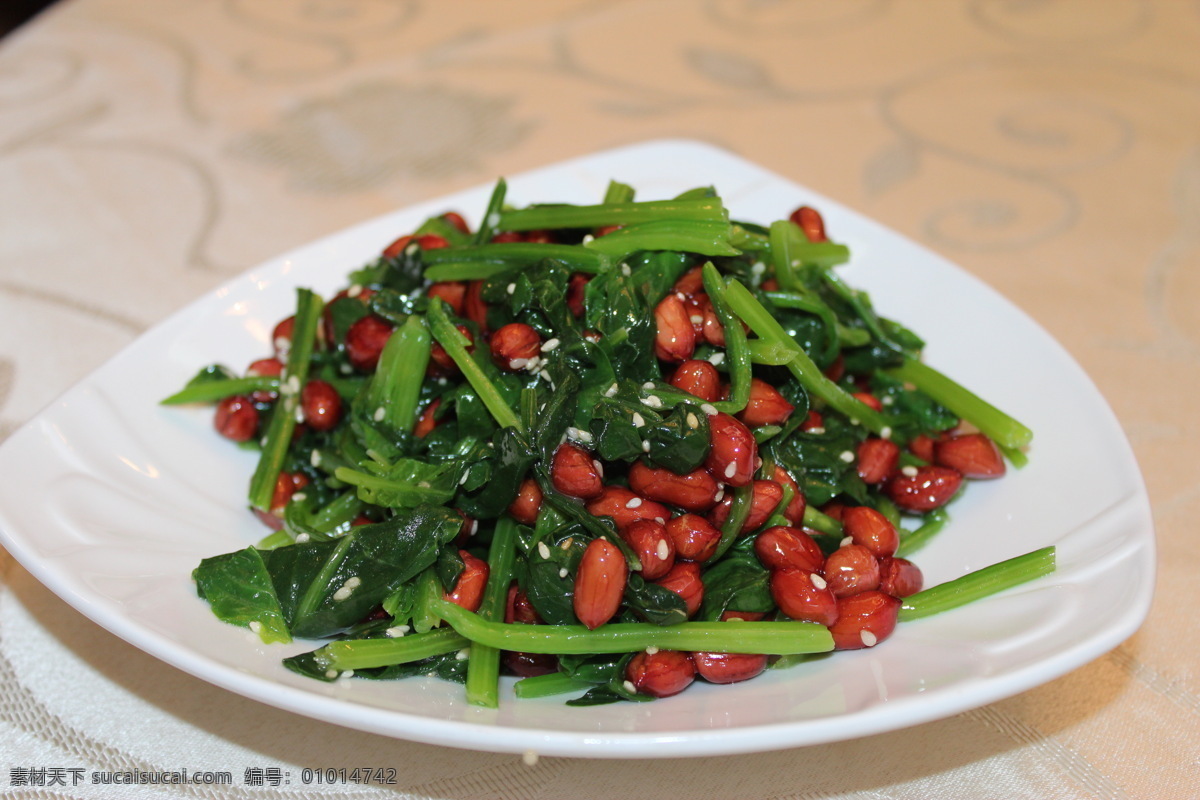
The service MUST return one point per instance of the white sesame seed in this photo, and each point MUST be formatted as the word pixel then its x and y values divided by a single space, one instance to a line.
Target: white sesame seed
pixel 629 687
pixel 846 455
pixel 853 421
pixel 331 673
pixel 282 344
pixel 354 582
pixel 411 249
pixel 758 268
pixel 692 420
pixel 868 639
pixel 645 446
pixel 464 478
pixel 342 594
pixel 562 572
pixel 473 528
pixel 818 429
pixel 315 458
pixel 651 650
pixel 518 363
pixel 293 385
pixel 463 655
pixel 587 239
pixel 301 538
pixel 709 409
pixel 530 758
pixel 716 359
pixel 818 581
pixel 374 456
pixel 379 414
pixel 423 485
pixel 345 369
pixel 638 420
pixel 347 674
pixel 546 377
pixel 653 401
pixel 511 288
pixel 682 297
pixel 887 400
pixel 493 219
pixel 648 385
pixel 396 631
pixel 354 290
pixel 846 541
pixel 885 432
pixel 730 469
pixel 610 391
pixel 662 550
pixel 550 344
pixel 625 270
pixel 696 319
pixel 599 467
pixel 909 471
pixel 633 502
pixel 720 495
pixel 543 550
pixel 566 543
pixel 299 413
pixel 255 625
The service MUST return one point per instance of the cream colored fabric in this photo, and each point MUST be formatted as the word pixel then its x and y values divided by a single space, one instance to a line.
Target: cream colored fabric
pixel 151 150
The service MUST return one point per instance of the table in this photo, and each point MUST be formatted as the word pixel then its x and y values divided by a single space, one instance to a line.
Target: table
pixel 150 151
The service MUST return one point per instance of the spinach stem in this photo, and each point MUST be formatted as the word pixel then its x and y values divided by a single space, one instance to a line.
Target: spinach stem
pixel 777 637
pixel 455 344
pixel 548 685
pixel 979 584
pixel 742 498
pixel 1000 427
pixel 283 419
pixel 703 237
pixel 211 391
pixel 474 261
pixel 916 539
pixel 368 653
pixel 483 664
pixel 596 216
pixel 737 349
pixel 746 306
pixel 396 385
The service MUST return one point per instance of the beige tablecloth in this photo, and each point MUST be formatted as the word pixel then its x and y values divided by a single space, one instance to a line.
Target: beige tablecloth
pixel 149 151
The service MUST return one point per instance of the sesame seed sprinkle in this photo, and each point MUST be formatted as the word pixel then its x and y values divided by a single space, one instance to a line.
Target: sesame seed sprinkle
pixel 709 409
pixel 818 430
pixel 255 626
pixel 651 650
pixel 885 432
pixel 868 639
pixel 543 550
pixel 692 420
pixel 315 458
pixel 818 581
pixel 648 385
pixel 301 538
pixel 562 572
pixel 331 673
pixel 716 359
pixel 396 631
pixel 629 687
pixel 653 401
pixel 662 551
pixel 846 455
pixel 463 655
pixel 633 502
pixel 610 391
pixel 511 288
pixel 909 471
pixel 518 363
pixel 300 497
pixel 550 344
pixel 638 420
pixel 379 414
pixel 645 445
pixel 354 290
pixel 625 270
pixel 696 319
pixel 730 469
pixel 846 541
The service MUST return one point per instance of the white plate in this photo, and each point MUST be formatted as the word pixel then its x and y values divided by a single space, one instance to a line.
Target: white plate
pixel 111 500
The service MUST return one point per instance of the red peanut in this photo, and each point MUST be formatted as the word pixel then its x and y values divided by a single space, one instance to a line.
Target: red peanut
pixel 468 589
pixel 851 569
pixel 625 507
pixel 675 339
pixel 899 577
pixel 728 667
pixel 733 453
pixel 648 538
pixel 599 583
pixel 322 405
pixel 662 673
pixel 684 580
pixel 872 530
pixel 811 222
pixel 804 595
pixel 763 502
pixel 699 378
pixel 695 491
pixel 876 459
pixel 766 406
pixel 864 620
pixel 365 340
pixel 972 454
pixel 514 345
pixel 929 487
pixel 574 473
pixel 236 418
pixel 694 537
pixel 788 548
pixel 528 502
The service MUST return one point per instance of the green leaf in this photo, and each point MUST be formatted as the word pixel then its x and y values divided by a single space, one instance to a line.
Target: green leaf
pixel 239 589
